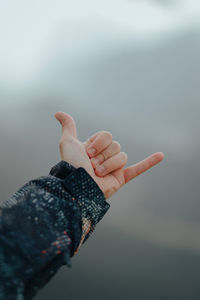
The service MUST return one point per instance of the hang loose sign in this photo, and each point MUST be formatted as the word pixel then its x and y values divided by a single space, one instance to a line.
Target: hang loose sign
pixel 100 156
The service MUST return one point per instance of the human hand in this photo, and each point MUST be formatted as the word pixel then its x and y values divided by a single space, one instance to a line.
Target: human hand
pixel 107 155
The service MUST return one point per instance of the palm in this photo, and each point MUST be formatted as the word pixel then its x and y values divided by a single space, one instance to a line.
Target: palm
pixel 74 152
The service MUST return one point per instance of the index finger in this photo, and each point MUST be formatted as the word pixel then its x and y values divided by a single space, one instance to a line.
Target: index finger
pixel 102 141
pixel 141 167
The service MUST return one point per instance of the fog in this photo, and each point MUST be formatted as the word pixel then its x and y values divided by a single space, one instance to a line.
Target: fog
pixel 130 67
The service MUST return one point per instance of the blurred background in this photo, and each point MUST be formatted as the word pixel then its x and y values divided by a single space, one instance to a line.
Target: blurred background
pixel 130 67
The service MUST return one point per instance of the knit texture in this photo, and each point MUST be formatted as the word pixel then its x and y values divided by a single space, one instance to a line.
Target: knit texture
pixel 43 225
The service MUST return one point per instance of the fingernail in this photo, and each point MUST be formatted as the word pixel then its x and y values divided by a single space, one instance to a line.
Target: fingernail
pixel 91 151
pixel 101 169
pixel 96 161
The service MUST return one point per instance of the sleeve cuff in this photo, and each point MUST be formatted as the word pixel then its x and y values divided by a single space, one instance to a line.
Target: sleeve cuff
pixel 62 169
pixel 90 197
pixel 84 189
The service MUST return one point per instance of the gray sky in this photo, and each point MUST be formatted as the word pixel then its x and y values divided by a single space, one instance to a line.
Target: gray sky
pixel 27 27
pixel 130 67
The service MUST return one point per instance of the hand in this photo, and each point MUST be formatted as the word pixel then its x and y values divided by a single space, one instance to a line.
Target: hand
pixel 107 155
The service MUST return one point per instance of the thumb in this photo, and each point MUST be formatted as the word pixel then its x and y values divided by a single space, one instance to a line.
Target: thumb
pixel 67 123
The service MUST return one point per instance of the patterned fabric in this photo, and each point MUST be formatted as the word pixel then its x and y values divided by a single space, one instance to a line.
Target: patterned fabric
pixel 43 225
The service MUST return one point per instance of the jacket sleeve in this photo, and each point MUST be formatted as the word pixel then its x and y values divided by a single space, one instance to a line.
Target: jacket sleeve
pixel 43 225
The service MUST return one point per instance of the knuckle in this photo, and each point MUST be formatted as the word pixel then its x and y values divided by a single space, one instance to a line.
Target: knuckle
pixel 124 156
pixel 107 134
pixel 92 137
pixel 117 145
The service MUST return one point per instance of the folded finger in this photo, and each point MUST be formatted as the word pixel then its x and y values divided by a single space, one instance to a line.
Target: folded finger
pixel 115 162
pixel 111 150
pixel 102 141
pixel 90 139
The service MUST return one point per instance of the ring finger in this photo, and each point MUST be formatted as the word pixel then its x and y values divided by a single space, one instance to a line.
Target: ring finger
pixel 111 150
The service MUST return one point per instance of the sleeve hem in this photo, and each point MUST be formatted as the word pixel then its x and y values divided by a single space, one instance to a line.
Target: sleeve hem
pixel 88 194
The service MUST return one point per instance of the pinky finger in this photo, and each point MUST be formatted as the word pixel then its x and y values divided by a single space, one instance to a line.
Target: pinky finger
pixel 141 167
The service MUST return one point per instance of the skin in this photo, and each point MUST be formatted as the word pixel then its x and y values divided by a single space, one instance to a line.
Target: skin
pixel 107 164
